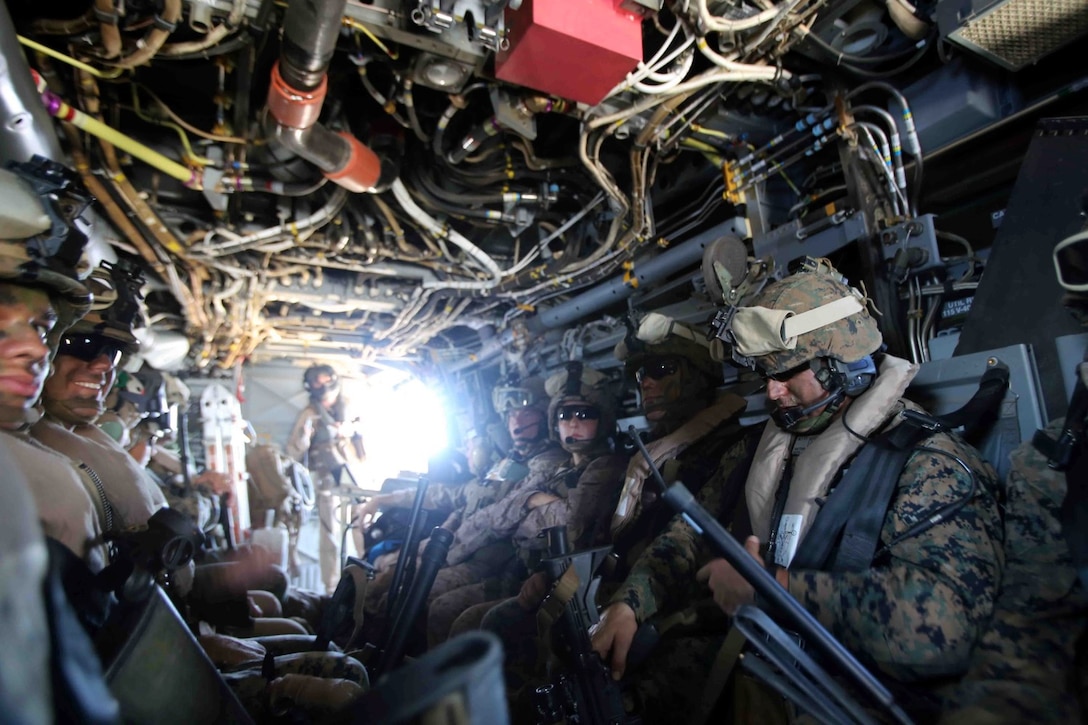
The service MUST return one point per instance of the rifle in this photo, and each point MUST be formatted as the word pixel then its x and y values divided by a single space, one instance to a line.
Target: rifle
pixel 797 676
pixel 585 693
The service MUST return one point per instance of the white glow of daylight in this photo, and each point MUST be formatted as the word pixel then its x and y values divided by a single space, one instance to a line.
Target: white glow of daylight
pixel 403 423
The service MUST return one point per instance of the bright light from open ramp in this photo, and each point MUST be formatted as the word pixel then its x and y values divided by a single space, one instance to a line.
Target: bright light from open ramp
pixel 403 423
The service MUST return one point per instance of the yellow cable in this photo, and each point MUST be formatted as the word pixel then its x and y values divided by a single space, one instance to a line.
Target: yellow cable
pixel 356 25
pixel 46 50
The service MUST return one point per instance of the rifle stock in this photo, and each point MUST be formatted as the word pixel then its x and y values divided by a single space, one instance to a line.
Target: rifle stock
pixel 584 691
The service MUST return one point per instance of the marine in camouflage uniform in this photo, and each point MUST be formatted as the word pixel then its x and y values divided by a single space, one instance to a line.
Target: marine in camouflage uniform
pixel 580 495
pixel 918 609
pixel 1022 669
pixel 323 440
pixel 524 406
pixel 74 396
pixel 691 429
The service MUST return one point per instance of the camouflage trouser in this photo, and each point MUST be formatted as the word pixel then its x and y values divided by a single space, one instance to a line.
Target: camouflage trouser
pixel 664 689
pixel 329 532
pixel 516 627
pixel 472 618
pixel 462 609
pixel 252 688
pixel 669 685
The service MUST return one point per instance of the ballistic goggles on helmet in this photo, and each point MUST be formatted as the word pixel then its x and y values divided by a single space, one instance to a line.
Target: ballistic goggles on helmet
pixel 578 412
pixel 658 368
pixel 752 332
pixel 1071 262
pixel 506 399
pixel 89 347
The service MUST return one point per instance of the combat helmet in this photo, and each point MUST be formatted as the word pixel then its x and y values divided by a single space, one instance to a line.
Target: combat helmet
pixel 658 335
pixel 316 389
pixel 809 315
pixel 657 339
pixel 39 243
pixel 811 319
pixel 115 313
pixel 514 393
pixel 581 385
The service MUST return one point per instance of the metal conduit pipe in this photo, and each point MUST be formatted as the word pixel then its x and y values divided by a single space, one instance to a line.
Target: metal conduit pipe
pixel 684 255
pixel 296 94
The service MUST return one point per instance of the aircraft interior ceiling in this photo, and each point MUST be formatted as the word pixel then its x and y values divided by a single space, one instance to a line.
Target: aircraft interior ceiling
pixel 451 183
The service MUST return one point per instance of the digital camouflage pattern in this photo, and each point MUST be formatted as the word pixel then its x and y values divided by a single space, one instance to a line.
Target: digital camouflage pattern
pixel 847 340
pixel 704 467
pixel 465 501
pixel 662 578
pixel 917 612
pixel 253 689
pixel 1021 669
pixel 511 523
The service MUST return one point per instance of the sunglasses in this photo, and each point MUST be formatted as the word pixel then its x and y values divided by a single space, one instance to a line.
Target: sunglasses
pixel 785 375
pixel 89 348
pixel 658 369
pixel 579 412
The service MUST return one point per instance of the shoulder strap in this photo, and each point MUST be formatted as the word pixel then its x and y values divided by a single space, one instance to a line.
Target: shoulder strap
pixel 847 530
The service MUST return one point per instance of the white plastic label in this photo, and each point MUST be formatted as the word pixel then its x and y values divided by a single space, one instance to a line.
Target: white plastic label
pixel 789 533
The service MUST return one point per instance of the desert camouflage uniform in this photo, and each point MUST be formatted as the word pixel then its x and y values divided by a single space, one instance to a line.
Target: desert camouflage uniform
pixel 587 496
pixel 69 507
pixel 488 562
pixel 322 443
pixel 255 691
pixel 26 693
pixel 482 564
pixel 133 498
pixel 1021 668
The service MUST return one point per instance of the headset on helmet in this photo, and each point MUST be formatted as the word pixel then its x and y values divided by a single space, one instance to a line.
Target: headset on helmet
pixel 810 318
pixel 316 389
pixel 580 385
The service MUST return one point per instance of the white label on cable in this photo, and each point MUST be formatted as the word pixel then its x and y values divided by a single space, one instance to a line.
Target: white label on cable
pixel 789 532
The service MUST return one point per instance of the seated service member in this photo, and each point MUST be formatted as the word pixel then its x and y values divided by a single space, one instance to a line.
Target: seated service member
pixel 915 608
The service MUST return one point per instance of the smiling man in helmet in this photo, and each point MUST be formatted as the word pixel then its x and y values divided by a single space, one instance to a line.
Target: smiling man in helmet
pixel 74 397
pixel 48 668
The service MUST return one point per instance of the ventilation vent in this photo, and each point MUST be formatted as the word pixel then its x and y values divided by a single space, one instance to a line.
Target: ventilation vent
pixel 1018 33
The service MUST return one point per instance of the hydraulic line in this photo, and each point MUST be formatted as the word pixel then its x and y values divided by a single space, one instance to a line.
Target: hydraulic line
pixel 57 108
